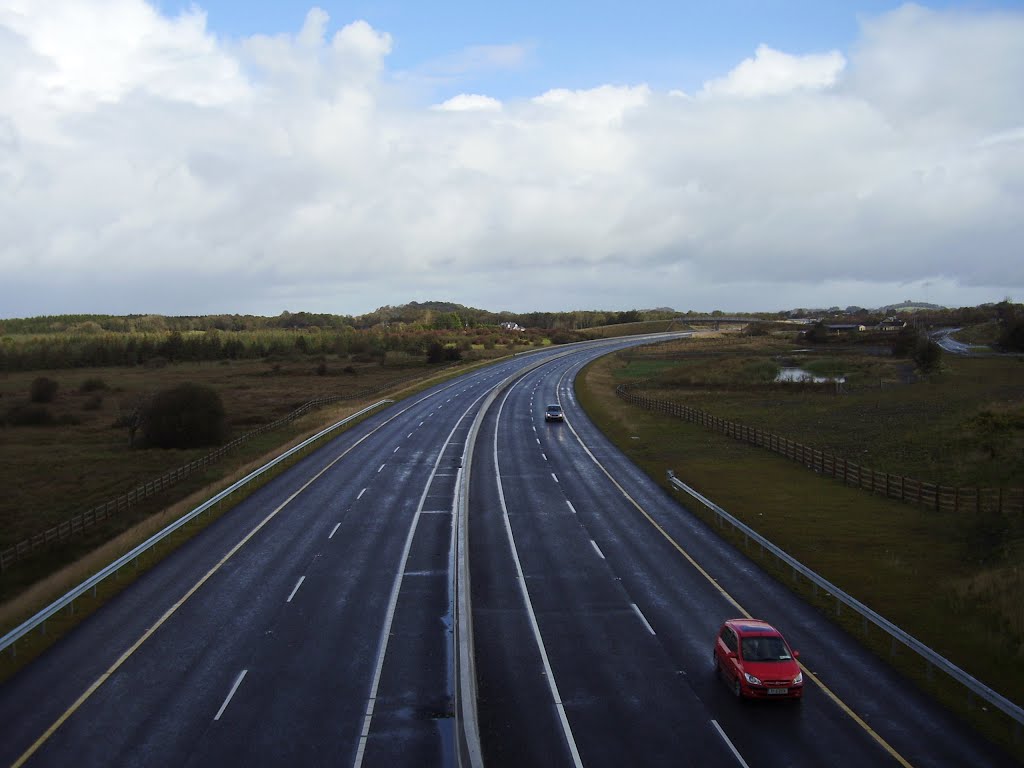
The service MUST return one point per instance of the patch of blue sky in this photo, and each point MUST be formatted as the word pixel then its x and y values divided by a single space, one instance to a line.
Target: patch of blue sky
pixel 574 45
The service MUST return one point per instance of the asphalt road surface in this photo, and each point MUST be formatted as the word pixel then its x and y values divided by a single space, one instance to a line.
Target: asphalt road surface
pixel 312 624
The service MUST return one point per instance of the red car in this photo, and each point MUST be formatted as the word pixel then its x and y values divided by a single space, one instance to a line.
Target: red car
pixel 757 662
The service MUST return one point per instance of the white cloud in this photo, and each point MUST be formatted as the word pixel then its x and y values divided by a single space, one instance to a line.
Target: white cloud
pixel 469 102
pixel 175 172
pixel 773 72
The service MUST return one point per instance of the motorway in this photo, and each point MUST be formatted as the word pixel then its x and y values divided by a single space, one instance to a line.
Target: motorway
pixel 312 624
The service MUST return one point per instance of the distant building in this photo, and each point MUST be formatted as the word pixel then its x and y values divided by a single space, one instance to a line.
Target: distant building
pixel 510 326
pixel 892 324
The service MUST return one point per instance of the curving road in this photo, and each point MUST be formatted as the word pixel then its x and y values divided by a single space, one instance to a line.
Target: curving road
pixel 596 600
pixel 312 624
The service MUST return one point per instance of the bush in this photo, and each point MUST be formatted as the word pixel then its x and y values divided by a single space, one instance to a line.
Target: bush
pixel 94 384
pixel 441 353
pixel 1011 336
pixel 185 416
pixel 43 390
pixel 927 354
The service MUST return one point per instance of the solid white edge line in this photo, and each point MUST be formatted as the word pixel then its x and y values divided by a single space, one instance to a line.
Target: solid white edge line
pixel 597 549
pixel 296 588
pixel 730 745
pixel 548 673
pixel 334 530
pixel 231 693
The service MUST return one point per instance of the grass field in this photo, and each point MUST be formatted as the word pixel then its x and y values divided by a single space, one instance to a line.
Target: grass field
pixel 910 565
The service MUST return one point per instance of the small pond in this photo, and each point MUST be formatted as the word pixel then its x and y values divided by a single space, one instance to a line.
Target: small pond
pixel 799 374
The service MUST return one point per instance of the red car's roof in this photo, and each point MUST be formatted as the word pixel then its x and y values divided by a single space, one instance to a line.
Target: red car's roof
pixel 751 626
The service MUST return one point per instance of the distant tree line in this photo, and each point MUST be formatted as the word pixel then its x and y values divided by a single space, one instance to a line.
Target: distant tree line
pixel 428 330
pixel 412 316
pixel 75 350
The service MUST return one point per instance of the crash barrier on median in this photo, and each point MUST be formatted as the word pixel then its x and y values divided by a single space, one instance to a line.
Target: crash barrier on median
pixel 90 584
pixel 942 498
pixel 469 752
pixel 974 687
pixel 81 523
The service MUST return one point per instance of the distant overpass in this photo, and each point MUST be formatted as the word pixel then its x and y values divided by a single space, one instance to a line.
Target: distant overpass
pixel 715 319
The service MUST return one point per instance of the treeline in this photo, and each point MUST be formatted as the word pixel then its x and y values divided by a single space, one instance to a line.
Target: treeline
pixel 92 350
pixel 412 316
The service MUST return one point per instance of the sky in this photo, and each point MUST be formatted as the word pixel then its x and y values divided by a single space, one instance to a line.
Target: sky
pixel 257 157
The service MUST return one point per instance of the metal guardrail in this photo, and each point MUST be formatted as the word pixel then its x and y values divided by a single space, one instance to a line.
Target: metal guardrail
pixel 974 686
pixel 8 640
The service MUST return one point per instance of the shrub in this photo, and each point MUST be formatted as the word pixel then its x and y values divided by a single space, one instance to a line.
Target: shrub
pixel 43 390
pixel 1011 336
pixel 186 416
pixel 757 329
pixel 441 353
pixel 94 384
pixel 927 354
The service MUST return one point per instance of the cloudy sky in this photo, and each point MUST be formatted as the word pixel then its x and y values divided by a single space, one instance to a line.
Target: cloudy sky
pixel 253 157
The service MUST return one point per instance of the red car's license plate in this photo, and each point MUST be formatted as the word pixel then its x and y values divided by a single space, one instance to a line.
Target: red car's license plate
pixel 778 691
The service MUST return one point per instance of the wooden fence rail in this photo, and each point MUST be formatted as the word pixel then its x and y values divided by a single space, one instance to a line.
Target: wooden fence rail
pixel 82 522
pixel 941 498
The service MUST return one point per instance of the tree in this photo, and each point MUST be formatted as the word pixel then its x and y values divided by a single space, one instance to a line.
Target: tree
pixel 927 354
pixel 818 334
pixel 186 416
pixel 43 390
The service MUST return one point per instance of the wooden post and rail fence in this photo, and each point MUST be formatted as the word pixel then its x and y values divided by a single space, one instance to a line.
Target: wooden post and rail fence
pixel 942 498
pixel 80 523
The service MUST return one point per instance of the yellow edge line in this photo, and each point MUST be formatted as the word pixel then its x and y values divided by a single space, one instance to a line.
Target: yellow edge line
pixel 170 611
pixel 853 715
